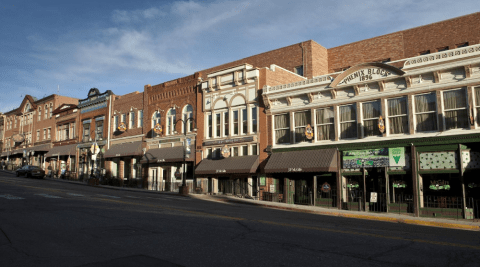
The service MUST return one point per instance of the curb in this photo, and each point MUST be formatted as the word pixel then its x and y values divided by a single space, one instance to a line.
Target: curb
pixel 447 225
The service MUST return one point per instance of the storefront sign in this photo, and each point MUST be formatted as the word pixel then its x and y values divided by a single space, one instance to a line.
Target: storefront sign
pixel 177 173
pixel 365 75
pixel 18 138
pixel 439 185
pixel 122 127
pixel 309 132
pixel 381 125
pixel 294 169
pixel 399 184
pixel 158 128
pixel 230 141
pixel 373 197
pixel 225 151
pixel 372 158
pixel 326 187
pixel 396 156
pixel 272 188
pixel 220 171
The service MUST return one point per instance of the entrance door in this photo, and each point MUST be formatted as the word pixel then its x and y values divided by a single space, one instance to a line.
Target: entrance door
pixel 167 179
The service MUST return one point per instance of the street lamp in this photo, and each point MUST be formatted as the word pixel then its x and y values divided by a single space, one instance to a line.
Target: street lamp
pixel 184 178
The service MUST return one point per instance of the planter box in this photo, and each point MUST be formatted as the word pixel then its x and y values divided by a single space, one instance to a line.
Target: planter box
pixel 442 213
pixel 324 202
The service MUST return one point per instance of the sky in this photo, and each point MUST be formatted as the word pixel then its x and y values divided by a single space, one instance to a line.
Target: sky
pixel 67 47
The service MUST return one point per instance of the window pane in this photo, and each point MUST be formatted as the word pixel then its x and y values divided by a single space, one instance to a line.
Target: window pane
pixel 398 125
pixel 454 99
pixel 325 115
pixel 455 119
pixel 244 150
pixel 226 124
pixel 397 106
pixel 254 149
pixel 235 122
pixel 254 119
pixel 244 121
pixel 426 122
pixel 371 110
pixel 209 125
pixel 326 132
pixel 348 113
pixel 282 135
pixel 348 130
pixel 425 103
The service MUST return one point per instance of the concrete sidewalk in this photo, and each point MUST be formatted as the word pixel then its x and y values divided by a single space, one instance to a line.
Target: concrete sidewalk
pixel 385 217
pixel 377 216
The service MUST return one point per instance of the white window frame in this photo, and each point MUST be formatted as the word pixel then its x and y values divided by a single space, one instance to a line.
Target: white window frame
pixel 318 125
pixel 155 119
pixel 46 112
pixel 239 122
pixel 295 127
pixel 44 133
pixel 185 115
pixel 251 149
pixel 243 148
pixel 369 119
pixel 170 122
pixel 49 133
pixel 39 118
pixel 253 118
pixel 388 116
pixel 51 109
pixel 38 135
pixel 208 125
pixel 140 119
pixel 339 128
pixel 218 124
pixel 465 92
pixel 415 112
pixel 287 128
pixel 131 120
pixel 115 124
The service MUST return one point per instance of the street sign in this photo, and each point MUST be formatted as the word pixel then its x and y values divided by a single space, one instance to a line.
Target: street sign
pixel 95 149
pixel 373 197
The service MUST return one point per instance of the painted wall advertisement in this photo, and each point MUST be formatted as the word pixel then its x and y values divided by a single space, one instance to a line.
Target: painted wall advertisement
pixel 372 158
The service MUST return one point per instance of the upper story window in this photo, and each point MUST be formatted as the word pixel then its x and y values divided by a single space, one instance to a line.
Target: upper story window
pixel 371 112
pixel 131 117
pixel 441 49
pixel 397 115
pixel 49 133
pixel 156 118
pixel 217 124
pixel 425 112
pixel 254 119
pixel 27 107
pixel 226 123
pixel 124 118
pixel 301 121
pixel 140 119
pixel 209 125
pixel 325 124
pixel 348 121
pixel 38 135
pixel 15 122
pixel 282 128
pixel 455 109
pixel 51 109
pixel 462 45
pixel 39 114
pixel 477 104
pixel 86 131
pixel 426 52
pixel 171 119
pixel 186 114
pixel 235 122
pixel 298 70
pixel 244 121
pixel 99 130
pixel 115 123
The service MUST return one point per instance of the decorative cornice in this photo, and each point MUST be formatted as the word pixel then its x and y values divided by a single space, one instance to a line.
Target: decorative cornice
pixel 442 56
pixel 317 80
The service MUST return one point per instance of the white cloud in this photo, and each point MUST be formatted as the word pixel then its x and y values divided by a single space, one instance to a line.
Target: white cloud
pixel 124 16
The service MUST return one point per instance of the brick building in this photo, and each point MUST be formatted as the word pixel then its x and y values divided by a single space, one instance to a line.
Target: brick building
pixel 94 120
pixel 63 155
pixel 126 136
pixel 167 106
pixel 29 130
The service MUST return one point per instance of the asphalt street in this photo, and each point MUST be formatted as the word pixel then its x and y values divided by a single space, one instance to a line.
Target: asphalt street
pixel 51 223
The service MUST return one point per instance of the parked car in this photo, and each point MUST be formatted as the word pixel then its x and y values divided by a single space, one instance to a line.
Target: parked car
pixel 30 171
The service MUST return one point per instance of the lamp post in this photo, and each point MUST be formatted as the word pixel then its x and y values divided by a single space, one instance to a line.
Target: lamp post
pixel 184 189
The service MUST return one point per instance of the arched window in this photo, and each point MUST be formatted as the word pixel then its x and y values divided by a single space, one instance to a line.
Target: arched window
pixel 187 113
pixel 155 118
pixel 171 114
pixel 27 107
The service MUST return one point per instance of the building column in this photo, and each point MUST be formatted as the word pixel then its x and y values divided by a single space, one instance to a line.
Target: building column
pixel 121 175
pixel 249 186
pixel 314 191
pixel 215 185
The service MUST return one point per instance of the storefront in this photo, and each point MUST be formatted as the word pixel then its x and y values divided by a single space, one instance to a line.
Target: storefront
pixel 305 177
pixel 124 161
pixel 62 161
pixel 165 168
pixel 36 155
pixel 230 175
pixel 88 163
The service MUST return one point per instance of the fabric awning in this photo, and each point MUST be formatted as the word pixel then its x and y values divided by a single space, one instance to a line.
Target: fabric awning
pixel 40 148
pixel 3 154
pixel 124 150
pixel 62 151
pixel 17 151
pixel 320 160
pixel 166 154
pixel 231 165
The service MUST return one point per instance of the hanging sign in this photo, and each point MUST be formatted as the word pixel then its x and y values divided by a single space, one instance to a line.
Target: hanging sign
pixel 326 187
pixel 381 125
pixel 122 127
pixel 309 132
pixel 18 138
pixel 225 151
pixel 177 173
pixel 439 185
pixel 158 128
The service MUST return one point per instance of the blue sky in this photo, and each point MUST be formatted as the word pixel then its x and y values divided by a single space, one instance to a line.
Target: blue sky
pixel 124 45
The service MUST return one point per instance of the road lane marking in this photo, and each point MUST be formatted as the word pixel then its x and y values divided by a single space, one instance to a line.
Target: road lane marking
pixel 48 196
pixel 75 195
pixel 11 197
pixel 107 196
pixel 131 197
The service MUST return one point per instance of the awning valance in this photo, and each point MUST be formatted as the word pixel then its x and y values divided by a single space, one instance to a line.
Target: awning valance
pixel 124 150
pixel 166 154
pixel 320 160
pixel 68 150
pixel 39 148
pixel 231 165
